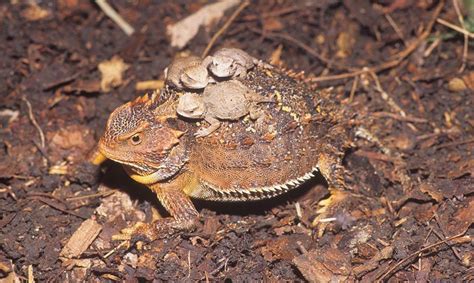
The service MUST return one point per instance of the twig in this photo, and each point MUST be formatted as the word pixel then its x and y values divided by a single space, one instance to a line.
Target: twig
pixel 242 6
pixel 115 249
pixel 443 235
pixel 33 121
pixel 396 28
pixel 403 261
pixel 455 27
pixel 115 17
pixel 385 96
pixel 339 76
pixel 399 117
pixel 57 206
pixel 276 13
pixel 456 143
pixel 355 84
pixel 432 46
pixel 102 194
pixel 466 39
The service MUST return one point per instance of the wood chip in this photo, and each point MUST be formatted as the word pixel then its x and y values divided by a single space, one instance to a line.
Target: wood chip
pixel 150 85
pixel 328 265
pixel 81 239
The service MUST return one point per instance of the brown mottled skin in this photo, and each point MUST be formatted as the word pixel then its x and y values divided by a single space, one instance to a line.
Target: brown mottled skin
pixel 305 132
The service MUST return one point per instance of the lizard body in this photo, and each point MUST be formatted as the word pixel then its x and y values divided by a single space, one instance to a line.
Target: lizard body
pixel 306 133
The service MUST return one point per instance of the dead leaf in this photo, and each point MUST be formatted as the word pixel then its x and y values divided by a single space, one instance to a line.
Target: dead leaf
pixel 34 12
pixel 186 29
pixel 284 247
pixel 469 80
pixel 112 72
pixel 373 263
pixel 272 24
pixel 345 44
pixel 275 58
pixel 71 137
pixel 463 218
pixel 431 191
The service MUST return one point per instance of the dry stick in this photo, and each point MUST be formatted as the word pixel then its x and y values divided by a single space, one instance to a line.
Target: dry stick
pixel 33 121
pixel 385 96
pixel 443 235
pixel 397 59
pixel 398 117
pixel 114 16
pixel 396 28
pixel 455 27
pixel 466 39
pixel 115 249
pixel 353 89
pixel 276 13
pixel 398 264
pixel 225 27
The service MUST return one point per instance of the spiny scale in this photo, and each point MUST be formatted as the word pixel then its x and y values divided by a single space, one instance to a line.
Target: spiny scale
pixel 239 194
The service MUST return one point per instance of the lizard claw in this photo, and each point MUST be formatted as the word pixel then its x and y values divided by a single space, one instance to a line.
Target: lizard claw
pixel 140 229
pixel 148 231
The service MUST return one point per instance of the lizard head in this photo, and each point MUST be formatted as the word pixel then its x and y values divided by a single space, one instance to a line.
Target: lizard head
pixel 191 105
pixel 222 66
pixel 195 77
pixel 139 137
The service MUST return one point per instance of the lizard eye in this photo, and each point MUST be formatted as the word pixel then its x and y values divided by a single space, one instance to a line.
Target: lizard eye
pixel 136 139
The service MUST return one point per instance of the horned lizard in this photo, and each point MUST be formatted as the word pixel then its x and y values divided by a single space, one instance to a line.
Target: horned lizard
pixel 187 72
pixel 232 62
pixel 227 100
pixel 307 133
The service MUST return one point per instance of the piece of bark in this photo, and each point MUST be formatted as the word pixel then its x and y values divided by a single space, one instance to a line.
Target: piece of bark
pixel 81 239
pixel 328 265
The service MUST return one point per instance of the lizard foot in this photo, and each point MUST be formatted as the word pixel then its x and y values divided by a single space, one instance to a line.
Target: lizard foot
pixel 157 229
pixel 147 231
pixel 202 133
pixel 331 211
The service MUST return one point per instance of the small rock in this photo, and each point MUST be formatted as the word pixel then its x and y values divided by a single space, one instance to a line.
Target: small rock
pixel 456 84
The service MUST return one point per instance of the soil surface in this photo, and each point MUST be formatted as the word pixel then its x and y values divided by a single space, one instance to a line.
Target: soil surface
pixel 407 77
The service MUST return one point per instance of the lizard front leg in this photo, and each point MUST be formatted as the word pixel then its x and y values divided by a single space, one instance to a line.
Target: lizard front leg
pixel 184 215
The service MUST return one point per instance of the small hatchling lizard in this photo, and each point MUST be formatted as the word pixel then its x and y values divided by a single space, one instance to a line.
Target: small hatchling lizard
pixel 306 133
pixel 232 62
pixel 227 100
pixel 187 72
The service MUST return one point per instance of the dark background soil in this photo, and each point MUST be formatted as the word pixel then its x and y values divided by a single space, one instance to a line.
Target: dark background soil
pixel 412 190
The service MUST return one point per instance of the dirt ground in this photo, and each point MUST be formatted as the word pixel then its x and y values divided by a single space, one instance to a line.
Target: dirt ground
pixel 396 64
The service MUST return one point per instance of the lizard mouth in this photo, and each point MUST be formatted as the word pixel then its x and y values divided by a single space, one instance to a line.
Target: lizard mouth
pixel 117 156
pixel 147 174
